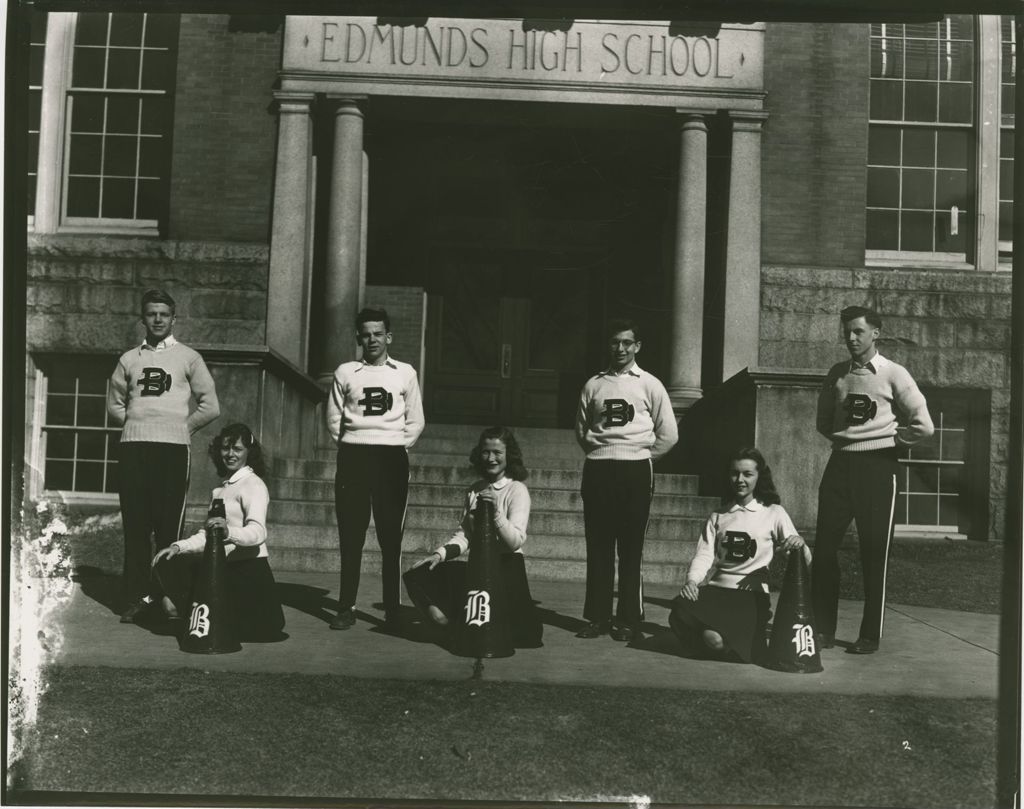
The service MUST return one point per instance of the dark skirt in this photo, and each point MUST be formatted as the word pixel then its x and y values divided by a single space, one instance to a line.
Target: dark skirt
pixel 445 588
pixel 739 616
pixel 254 608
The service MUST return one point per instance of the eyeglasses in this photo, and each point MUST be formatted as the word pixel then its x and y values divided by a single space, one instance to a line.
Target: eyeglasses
pixel 627 344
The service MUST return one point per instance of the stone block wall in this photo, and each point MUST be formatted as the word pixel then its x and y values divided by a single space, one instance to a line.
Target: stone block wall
pixel 84 292
pixel 951 329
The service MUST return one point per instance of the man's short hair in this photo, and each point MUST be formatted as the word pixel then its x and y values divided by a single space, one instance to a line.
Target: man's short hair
pixel 156 296
pixel 369 315
pixel 870 316
pixel 620 324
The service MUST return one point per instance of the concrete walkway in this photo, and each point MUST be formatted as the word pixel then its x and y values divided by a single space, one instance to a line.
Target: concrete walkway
pixel 925 652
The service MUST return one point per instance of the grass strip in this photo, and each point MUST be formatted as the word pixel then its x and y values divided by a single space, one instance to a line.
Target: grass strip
pixel 183 732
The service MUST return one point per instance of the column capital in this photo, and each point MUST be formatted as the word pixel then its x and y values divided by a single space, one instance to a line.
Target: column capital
pixel 747 120
pixel 345 104
pixel 293 101
pixel 694 116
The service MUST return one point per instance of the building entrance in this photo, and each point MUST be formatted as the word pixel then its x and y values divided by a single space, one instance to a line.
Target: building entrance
pixel 507 336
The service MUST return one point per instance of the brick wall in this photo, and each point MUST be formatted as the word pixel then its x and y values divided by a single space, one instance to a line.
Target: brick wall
pixel 405 307
pixel 224 131
pixel 950 329
pixel 83 292
pixel 815 143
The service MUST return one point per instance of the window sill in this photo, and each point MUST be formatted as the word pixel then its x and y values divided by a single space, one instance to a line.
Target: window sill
pixel 76 499
pixel 918 532
pixel 911 263
pixel 144 231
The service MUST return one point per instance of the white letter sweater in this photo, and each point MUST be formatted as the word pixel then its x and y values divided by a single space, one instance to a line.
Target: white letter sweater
pixel 625 417
pixel 375 404
pixel 860 407
pixel 150 391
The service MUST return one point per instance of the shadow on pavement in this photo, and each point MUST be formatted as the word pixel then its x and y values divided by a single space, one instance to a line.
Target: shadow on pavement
pixel 310 600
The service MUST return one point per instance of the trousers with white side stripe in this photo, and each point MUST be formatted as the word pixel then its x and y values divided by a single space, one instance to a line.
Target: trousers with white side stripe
pixel 857 486
pixel 616 509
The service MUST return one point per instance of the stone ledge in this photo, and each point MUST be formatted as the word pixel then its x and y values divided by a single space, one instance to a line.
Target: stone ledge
pixel 128 247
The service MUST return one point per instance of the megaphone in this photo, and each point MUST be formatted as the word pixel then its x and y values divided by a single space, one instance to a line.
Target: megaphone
pixel 793 646
pixel 484 628
pixel 209 628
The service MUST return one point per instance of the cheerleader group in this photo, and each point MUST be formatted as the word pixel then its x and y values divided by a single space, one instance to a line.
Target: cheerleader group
pixel 624 422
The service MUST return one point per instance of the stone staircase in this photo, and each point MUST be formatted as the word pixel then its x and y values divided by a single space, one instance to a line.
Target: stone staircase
pixel 303 532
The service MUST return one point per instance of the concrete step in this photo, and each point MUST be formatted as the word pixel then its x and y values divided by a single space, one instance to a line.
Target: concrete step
pixel 537 569
pixel 448 494
pixel 445 517
pixel 417 542
pixel 298 469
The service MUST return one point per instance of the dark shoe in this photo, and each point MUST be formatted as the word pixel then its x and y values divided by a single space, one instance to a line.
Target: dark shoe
pixel 345 619
pixel 863 646
pixel 627 633
pixel 135 610
pixel 825 641
pixel 594 629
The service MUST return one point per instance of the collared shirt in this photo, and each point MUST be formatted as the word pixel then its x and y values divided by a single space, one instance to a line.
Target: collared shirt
pixel 167 342
pixel 364 364
pixel 632 370
pixel 875 364
pixel 240 474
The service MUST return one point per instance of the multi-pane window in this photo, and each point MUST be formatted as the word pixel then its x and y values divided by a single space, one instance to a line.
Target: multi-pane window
pixel 37 46
pixel 929 497
pixel 80 443
pixel 920 145
pixel 118 117
pixel 1008 69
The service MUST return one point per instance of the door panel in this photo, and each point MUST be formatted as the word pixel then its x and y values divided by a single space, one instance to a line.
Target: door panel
pixel 507 340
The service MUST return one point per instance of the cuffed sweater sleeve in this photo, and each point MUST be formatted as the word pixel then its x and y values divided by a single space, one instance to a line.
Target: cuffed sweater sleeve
pixel 666 431
pixel 704 558
pixel 117 394
pixel 335 406
pixel 911 404
pixel 414 420
pixel 205 393
pixel 511 522
pixel 254 499
pixel 193 544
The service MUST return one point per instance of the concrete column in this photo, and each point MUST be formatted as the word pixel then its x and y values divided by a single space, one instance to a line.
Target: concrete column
pixel 988 94
pixel 743 248
pixel 288 285
pixel 687 319
pixel 344 236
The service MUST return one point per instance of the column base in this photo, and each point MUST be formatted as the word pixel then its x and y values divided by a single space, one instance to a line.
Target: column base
pixel 683 398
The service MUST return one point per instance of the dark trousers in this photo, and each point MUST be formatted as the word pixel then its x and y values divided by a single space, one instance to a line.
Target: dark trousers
pixel 616 508
pixel 859 486
pixel 371 477
pixel 153 484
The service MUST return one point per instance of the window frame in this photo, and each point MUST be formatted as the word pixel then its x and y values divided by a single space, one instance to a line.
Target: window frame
pixel 47 365
pixel 973 492
pixel 983 249
pixel 50 214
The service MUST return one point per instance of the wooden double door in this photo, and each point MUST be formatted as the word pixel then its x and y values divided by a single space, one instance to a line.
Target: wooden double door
pixel 509 336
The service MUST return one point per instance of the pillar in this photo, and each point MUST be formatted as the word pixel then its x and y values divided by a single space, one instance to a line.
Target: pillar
pixel 288 284
pixel 743 247
pixel 686 328
pixel 60 27
pixel 344 236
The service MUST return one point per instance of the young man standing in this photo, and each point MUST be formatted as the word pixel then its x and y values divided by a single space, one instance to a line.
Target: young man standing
pixel 861 407
pixel 149 395
pixel 374 415
pixel 625 422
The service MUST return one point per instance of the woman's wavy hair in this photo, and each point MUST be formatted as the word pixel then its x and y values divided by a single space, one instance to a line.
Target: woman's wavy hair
pixel 764 490
pixel 231 434
pixel 514 466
